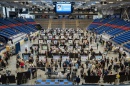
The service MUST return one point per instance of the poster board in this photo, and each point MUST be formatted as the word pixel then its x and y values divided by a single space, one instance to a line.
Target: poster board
pixel 84 57
pixel 44 47
pixel 42 51
pixel 56 37
pixel 98 57
pixel 62 40
pixel 42 58
pixel 43 34
pixel 62 37
pixel 64 57
pixel 78 47
pixel 70 47
pixel 48 41
pixel 40 41
pixel 62 46
pixel 45 37
pixel 26 56
pixel 50 36
pixel 55 41
pixel 56 57
pixel 70 41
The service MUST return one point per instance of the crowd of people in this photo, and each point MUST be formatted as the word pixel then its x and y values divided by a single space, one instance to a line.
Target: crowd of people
pixel 73 68
pixel 4 59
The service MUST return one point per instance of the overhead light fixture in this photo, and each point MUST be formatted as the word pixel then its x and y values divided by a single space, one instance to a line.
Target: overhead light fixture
pixel 29 1
pixel 27 4
pixel 92 4
pixel 16 1
pixel 119 0
pixel 110 2
pixel 97 2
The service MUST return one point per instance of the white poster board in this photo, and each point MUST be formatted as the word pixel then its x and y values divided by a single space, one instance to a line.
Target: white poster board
pixel 48 41
pixel 45 37
pixel 42 51
pixel 44 47
pixel 62 37
pixel 50 37
pixel 56 37
pixel 42 58
pixel 55 41
pixel 70 42
pixel 64 58
pixel 56 57
pixel 98 57
pixel 25 57
pixel 70 48
pixel 84 57
pixel 62 47
pixel 76 41
pixel 40 41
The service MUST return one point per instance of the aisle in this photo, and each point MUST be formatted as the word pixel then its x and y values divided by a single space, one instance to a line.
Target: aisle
pixel 12 61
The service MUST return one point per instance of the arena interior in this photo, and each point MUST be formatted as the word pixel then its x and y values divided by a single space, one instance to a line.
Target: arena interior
pixel 65 42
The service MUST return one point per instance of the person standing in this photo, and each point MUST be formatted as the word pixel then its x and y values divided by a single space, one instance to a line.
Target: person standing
pixel 89 72
pixel 77 80
pixel 97 46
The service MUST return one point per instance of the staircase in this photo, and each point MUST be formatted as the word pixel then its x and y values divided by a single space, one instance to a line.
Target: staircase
pixel 63 23
pixel 49 24
pixel 77 23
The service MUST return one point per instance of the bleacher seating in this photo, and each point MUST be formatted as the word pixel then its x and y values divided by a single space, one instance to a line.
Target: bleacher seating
pixel 117 28
pixel 28 22
pixel 11 27
pixel 14 26
pixel 125 37
pixel 94 24
pixel 127 45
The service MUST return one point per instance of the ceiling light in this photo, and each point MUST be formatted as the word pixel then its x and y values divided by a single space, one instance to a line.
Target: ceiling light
pixel 27 4
pixel 119 0
pixel 97 2
pixel 111 2
pixel 16 1
pixel 92 4
pixel 29 1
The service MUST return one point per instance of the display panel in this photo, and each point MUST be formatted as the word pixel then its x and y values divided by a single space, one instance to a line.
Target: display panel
pixel 98 58
pixel 84 57
pixel 42 58
pixel 44 47
pixel 56 57
pixel 63 8
pixel 48 41
pixel 25 56
pixel 64 57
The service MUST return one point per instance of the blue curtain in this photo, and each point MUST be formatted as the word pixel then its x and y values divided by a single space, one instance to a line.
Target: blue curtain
pixel 17 48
